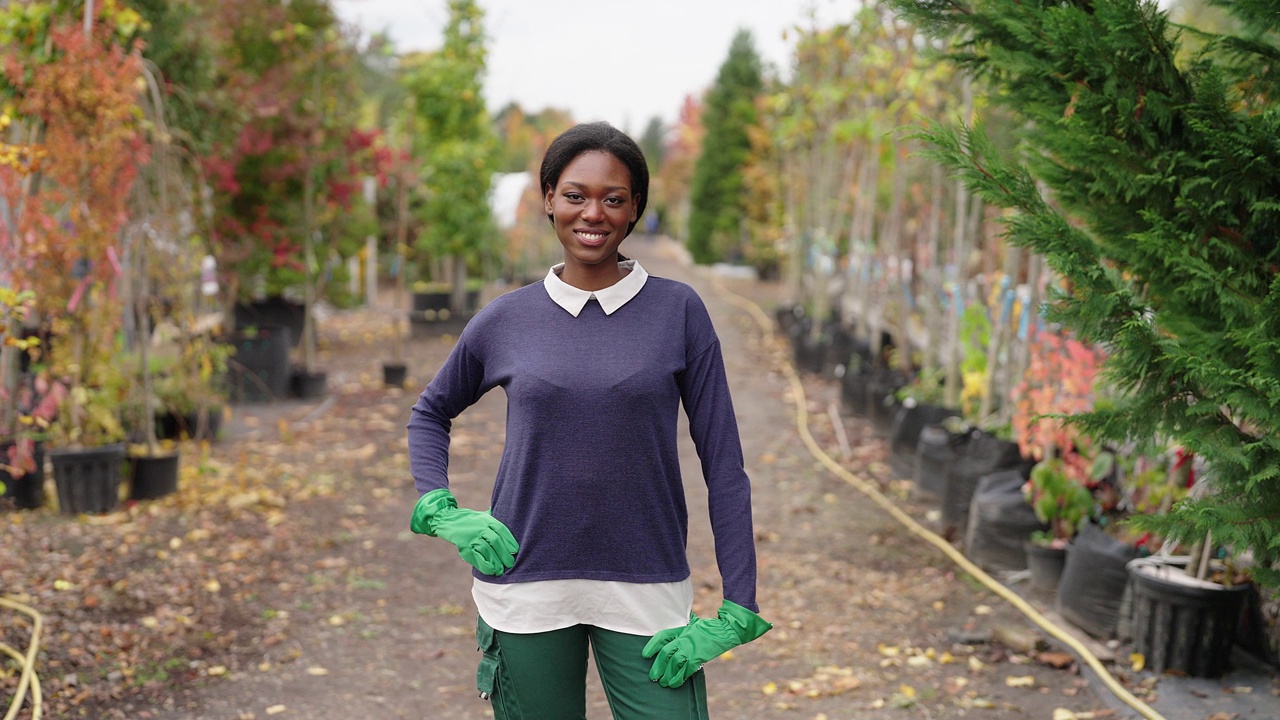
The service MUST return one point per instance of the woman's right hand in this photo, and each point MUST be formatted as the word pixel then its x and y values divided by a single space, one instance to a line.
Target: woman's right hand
pixel 482 540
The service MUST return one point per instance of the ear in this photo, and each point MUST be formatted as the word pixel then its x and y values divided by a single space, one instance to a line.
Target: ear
pixel 546 199
pixel 635 206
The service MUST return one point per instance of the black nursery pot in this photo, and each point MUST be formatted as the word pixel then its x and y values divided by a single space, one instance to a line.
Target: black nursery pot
pixel 1181 627
pixel 259 369
pixel 195 425
pixel 394 374
pixel 910 419
pixel 26 491
pixel 936 450
pixel 882 386
pixel 1000 521
pixel 308 385
pixel 809 353
pixel 853 389
pixel 787 317
pixel 153 476
pixel 88 480
pixel 1046 565
pixel 1094 578
pixel 434 301
pixel 273 311
pixel 984 454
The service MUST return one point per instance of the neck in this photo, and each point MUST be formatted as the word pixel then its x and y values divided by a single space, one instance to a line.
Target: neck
pixel 592 277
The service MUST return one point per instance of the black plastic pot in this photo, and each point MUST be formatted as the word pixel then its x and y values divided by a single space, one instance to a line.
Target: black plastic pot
pixel 88 479
pixel 273 311
pixel 434 301
pixel 153 476
pixel 882 386
pixel 308 385
pixel 1094 578
pixel 983 454
pixel 437 300
pixel 1000 521
pixel 259 369
pixel 786 317
pixel 809 352
pixel 853 390
pixel 1046 565
pixel 394 374
pixel 1259 630
pixel 911 418
pixel 195 425
pixel 1180 627
pixel 26 491
pixel 843 352
pixel 936 450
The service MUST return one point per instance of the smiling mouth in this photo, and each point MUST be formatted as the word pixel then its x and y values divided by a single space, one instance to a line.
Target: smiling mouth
pixel 590 237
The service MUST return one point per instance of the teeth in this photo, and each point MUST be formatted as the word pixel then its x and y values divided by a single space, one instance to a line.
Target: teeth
pixel 591 235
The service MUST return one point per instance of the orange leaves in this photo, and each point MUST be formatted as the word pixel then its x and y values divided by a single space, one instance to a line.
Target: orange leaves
pixel 83 99
pixel 1059 380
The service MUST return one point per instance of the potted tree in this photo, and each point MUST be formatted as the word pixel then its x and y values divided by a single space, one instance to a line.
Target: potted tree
pixel 1061 501
pixel 455 141
pixel 86 437
pixel 28 400
pixel 79 90
pixel 920 405
pixel 1187 600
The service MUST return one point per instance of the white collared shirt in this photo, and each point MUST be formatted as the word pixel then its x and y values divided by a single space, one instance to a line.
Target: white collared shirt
pixel 545 605
pixel 611 298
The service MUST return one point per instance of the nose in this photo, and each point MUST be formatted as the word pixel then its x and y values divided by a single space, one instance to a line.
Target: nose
pixel 593 211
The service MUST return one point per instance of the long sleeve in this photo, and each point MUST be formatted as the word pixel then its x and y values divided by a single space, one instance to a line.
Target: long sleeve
pixel 459 384
pixel 704 389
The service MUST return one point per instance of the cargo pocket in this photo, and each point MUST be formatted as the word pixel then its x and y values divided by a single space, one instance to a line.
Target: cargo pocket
pixel 487 672
pixel 491 676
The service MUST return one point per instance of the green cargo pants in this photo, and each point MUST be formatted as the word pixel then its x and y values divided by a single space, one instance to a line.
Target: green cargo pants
pixel 543 676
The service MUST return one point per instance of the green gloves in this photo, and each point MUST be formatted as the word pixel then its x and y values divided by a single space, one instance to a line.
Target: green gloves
pixel 682 651
pixel 482 540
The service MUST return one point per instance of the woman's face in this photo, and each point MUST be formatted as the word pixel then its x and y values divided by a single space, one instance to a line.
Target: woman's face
pixel 591 206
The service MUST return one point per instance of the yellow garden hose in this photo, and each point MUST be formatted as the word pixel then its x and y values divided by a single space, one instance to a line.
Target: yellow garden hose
pixel 26 662
pixel 871 491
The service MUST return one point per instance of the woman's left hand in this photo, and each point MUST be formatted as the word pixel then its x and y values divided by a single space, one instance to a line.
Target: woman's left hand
pixel 682 651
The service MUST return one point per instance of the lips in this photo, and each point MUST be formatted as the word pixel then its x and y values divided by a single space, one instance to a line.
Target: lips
pixel 591 238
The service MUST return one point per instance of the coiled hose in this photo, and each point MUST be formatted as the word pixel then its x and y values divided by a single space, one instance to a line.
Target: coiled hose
pixel 27 662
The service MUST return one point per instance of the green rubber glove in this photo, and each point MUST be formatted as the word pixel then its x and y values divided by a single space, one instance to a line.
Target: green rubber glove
pixel 482 540
pixel 682 651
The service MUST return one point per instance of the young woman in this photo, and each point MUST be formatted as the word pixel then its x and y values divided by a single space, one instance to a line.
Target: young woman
pixel 584 543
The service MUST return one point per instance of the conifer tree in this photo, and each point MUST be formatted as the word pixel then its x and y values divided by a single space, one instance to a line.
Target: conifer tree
pixel 717 194
pixel 1149 179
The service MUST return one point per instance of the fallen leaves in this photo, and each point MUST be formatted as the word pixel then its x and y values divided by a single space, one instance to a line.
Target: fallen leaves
pixel 1020 681
pixel 142 601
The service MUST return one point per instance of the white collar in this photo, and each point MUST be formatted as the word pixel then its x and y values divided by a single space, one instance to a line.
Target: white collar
pixel 611 298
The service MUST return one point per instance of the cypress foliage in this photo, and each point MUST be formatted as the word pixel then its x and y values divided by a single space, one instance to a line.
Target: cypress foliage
pixel 1150 182
pixel 717 191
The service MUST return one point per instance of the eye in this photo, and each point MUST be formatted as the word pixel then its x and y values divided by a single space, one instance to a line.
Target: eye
pixel 615 201
pixel 573 197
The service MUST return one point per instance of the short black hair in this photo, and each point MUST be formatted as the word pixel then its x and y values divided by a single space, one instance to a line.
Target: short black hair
pixel 596 137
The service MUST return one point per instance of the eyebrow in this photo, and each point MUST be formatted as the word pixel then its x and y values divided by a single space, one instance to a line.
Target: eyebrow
pixel 621 188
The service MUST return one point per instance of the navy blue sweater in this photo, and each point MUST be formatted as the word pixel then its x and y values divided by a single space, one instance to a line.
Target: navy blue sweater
pixel 589 481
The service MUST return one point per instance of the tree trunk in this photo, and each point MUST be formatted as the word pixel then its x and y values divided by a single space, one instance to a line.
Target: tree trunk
pixel 458 292
pixel 959 255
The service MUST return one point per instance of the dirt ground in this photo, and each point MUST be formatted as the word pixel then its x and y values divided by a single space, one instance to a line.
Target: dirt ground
pixel 282 580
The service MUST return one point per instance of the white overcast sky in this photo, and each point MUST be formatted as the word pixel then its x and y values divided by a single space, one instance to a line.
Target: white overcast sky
pixel 614 60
